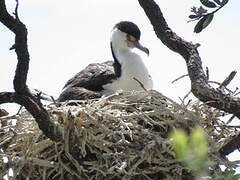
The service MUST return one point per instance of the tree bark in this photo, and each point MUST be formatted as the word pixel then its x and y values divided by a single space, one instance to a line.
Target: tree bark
pixel 200 87
pixel 22 95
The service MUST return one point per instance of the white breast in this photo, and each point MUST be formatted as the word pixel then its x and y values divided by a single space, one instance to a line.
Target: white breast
pixel 132 67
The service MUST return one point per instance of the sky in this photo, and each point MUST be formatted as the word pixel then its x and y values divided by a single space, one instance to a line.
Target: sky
pixel 65 36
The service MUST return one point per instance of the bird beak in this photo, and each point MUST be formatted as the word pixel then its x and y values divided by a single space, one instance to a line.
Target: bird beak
pixel 136 44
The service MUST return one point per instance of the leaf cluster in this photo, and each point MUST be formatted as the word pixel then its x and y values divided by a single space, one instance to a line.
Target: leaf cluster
pixel 193 151
pixel 203 16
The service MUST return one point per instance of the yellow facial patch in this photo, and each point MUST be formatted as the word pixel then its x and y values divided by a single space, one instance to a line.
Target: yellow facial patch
pixel 132 38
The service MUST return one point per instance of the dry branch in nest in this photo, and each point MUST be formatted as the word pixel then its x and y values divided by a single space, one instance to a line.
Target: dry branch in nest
pixel 123 136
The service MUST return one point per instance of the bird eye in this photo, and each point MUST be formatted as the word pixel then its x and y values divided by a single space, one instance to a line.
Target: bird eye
pixel 131 38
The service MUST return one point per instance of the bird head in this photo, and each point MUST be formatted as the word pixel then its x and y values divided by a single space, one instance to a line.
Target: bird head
pixel 125 36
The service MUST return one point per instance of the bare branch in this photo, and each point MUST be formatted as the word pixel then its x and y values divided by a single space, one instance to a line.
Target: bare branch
pixel 199 81
pixel 19 29
pixel 228 79
pixel 231 145
pixel 22 95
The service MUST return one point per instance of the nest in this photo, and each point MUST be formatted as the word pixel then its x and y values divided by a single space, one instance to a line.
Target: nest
pixel 122 136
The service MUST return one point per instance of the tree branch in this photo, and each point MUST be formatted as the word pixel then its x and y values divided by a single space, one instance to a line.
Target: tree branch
pixel 22 95
pixel 228 80
pixel 199 82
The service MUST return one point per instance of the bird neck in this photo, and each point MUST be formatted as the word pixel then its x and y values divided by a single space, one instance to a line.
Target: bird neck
pixel 116 64
pixel 122 57
pixel 127 61
pixel 120 53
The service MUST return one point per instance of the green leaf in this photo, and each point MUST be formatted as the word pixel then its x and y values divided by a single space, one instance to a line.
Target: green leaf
pixel 199 143
pixel 203 23
pixel 224 2
pixel 208 20
pixel 199 26
pixel 208 3
pixel 193 16
pixel 180 144
pixel 218 2
pixel 201 10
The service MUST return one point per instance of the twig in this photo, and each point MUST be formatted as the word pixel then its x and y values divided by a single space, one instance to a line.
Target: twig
pixel 186 97
pixel 54 101
pixel 228 79
pixel 230 120
pixel 19 110
pixel 179 78
pixel 39 98
pixel 235 91
pixel 215 82
pixel 16 11
pixel 13 47
pixel 141 84
pixel 207 73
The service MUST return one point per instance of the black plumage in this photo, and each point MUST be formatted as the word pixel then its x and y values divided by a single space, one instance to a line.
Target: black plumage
pixel 87 84
pixel 129 28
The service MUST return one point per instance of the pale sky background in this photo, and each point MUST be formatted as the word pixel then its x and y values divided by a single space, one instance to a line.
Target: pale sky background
pixel 65 36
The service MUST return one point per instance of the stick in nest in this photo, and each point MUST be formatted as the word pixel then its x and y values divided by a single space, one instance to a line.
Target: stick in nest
pixel 141 84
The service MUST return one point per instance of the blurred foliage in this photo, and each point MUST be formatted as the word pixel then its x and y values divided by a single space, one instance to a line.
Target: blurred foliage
pixel 202 14
pixel 192 151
